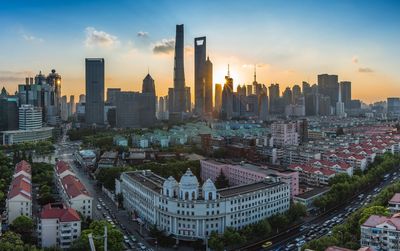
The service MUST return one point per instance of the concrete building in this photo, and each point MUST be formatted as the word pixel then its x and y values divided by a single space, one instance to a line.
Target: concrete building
pixel 208 86
pixel 111 95
pixel 393 107
pixel 345 91
pixel 58 226
pixel 8 112
pixel 394 204
pixel 29 117
pixel 328 86
pixel 94 107
pixel 245 173
pixel 190 212
pixel 73 192
pixel 179 92
pixel 21 136
pixel 381 233
pixel 199 74
pixel 285 133
pixel 19 197
pixel 218 97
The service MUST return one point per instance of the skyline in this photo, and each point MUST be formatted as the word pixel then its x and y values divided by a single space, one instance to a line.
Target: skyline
pixel 294 47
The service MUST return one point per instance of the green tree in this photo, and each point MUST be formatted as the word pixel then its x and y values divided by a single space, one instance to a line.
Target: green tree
pixel 114 237
pixel 215 242
pixel 23 226
pixel 11 241
pixel 296 211
pixel 221 181
pixel 374 210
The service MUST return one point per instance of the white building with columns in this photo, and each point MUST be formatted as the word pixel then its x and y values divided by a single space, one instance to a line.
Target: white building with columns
pixel 189 211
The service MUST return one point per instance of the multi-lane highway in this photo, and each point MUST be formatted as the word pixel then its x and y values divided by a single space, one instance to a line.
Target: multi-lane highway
pixel 296 237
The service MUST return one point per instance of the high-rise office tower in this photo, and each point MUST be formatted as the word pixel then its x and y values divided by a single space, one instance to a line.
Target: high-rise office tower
pixel 149 96
pixel 287 96
pixel 345 87
pixel 71 105
pixel 64 108
pixel 188 99
pixel 111 95
pixel 171 100
pixel 227 100
pixel 249 89
pixel 8 111
pixel 30 117
pixel 199 74
pixel 263 106
pixel 94 108
pixel 82 98
pixel 340 105
pixel 208 84
pixel 296 93
pixel 328 86
pixel 218 97
pixel 148 85
pixel 393 107
pixel 179 73
pixel 274 97
pixel 306 88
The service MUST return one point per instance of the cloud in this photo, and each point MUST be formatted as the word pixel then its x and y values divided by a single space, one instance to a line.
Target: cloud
pixel 354 59
pixel 31 38
pixel 143 34
pixel 165 46
pixel 365 70
pixel 13 76
pixel 97 38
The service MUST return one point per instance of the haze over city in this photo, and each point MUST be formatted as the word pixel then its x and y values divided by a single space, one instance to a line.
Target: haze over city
pixel 289 42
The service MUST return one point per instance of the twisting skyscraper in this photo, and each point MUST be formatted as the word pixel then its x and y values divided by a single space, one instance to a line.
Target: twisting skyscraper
pixel 179 73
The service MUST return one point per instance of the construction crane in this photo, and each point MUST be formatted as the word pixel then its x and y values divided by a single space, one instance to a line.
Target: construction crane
pixel 104 237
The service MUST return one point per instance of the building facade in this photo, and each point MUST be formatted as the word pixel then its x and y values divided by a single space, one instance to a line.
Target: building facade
pixel 94 106
pixel 190 212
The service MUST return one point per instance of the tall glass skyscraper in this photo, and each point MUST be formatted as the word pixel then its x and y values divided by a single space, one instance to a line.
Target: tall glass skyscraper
pixel 94 108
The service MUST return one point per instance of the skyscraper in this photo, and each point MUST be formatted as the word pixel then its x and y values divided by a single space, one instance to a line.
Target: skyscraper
pixel 208 84
pixel 328 86
pixel 296 93
pixel 179 73
pixel 30 117
pixel 199 74
pixel 94 108
pixel 148 85
pixel 218 97
pixel 274 96
pixel 111 95
pixel 149 97
pixel 345 87
pixel 340 105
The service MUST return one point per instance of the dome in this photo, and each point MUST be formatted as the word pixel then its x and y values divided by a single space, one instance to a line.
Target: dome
pixel 170 182
pixel 209 185
pixel 189 180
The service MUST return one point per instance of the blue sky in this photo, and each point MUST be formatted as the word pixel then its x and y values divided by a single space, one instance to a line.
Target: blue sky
pixel 290 41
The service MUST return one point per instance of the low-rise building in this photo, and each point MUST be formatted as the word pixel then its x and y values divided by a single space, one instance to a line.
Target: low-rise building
pixel 108 160
pixel 394 204
pixel 29 135
pixel 245 173
pixel 19 198
pixel 86 158
pixel 120 141
pixel 73 192
pixel 58 226
pixel 307 198
pixel 190 212
pixel 381 232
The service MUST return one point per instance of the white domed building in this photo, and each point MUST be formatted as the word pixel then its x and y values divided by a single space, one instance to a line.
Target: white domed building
pixel 190 211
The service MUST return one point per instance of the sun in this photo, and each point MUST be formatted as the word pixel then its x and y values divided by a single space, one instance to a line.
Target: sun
pixel 220 73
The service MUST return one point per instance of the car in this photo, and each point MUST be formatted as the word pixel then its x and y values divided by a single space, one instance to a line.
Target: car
pixel 133 238
pixel 126 237
pixel 267 244
pixel 301 243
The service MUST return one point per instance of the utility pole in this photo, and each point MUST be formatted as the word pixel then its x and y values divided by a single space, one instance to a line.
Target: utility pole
pixel 105 238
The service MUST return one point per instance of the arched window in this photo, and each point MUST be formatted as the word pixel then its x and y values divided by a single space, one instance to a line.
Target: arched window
pixel 210 196
pixel 193 195
pixel 168 192
pixel 186 195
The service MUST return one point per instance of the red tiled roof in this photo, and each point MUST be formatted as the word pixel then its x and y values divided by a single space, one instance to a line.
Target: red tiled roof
pixel 61 167
pixel 23 166
pixel 395 198
pixel 20 185
pixel 63 214
pixel 375 220
pixel 73 186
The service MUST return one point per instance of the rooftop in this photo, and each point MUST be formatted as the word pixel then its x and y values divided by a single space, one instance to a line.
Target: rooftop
pixel 59 211
pixel 314 192
pixel 247 188
pixel 395 198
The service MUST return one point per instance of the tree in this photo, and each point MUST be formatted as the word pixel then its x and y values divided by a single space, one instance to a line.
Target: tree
pixel 221 181
pixel 11 241
pixel 23 226
pixel 114 237
pixel 374 210
pixel 215 242
pixel 296 211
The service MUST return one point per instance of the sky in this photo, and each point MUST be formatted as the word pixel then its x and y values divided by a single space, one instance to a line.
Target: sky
pixel 289 41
